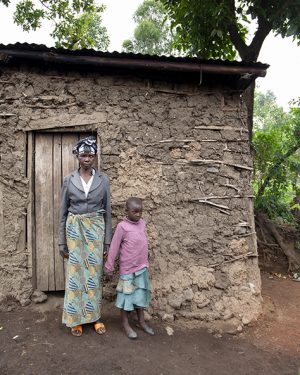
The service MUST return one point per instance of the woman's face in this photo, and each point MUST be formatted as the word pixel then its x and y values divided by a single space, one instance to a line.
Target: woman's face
pixel 86 160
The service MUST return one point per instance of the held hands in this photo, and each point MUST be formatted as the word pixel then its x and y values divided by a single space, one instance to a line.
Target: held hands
pixel 108 274
pixel 64 252
pixel 105 251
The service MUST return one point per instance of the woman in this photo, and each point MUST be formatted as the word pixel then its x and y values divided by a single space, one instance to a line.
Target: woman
pixel 85 226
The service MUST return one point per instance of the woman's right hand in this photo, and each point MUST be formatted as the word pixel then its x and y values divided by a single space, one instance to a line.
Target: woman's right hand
pixel 64 252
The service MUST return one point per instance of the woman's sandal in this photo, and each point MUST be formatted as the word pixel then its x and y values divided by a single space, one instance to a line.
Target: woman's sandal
pixel 77 331
pixel 99 328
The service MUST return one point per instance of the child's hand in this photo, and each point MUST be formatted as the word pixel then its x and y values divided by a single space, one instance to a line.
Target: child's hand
pixel 108 274
pixel 107 271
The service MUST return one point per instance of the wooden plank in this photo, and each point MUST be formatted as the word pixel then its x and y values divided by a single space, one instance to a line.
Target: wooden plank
pixel 1 219
pixel 64 120
pixel 22 242
pixel 69 161
pixel 30 209
pixel 98 161
pixel 72 129
pixel 44 212
pixel 57 182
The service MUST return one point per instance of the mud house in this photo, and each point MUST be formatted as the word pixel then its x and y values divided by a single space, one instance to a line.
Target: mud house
pixel 172 131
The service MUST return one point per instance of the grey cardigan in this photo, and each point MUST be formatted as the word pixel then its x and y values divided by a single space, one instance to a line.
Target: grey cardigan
pixel 73 200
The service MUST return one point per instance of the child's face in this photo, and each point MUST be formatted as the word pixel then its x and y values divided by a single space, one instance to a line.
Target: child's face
pixel 134 212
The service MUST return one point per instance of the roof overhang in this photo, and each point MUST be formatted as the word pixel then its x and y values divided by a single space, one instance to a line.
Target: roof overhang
pixel 237 75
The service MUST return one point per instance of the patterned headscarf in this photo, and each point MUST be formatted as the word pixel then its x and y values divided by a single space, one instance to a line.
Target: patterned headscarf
pixel 85 146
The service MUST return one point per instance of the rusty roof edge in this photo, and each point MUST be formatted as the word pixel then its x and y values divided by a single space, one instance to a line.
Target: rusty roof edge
pixel 129 61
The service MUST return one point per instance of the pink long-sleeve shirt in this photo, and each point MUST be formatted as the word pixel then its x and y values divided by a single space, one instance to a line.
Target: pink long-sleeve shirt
pixel 130 241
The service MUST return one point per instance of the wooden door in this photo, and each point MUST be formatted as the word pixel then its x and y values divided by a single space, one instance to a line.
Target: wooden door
pixel 53 160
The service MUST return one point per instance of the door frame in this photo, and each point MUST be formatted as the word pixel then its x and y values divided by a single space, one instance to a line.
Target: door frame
pixel 30 174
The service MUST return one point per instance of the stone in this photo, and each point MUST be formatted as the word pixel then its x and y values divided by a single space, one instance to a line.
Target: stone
pixel 38 296
pixel 232 326
pixel 175 300
pixel 25 302
pixel 246 320
pixel 168 318
pixel 170 331
pixel 227 314
pixel 222 281
pixel 147 316
pixel 188 294
pixel 202 277
pixel 201 300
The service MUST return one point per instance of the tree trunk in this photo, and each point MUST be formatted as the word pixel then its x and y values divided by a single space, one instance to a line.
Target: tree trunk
pixel 270 229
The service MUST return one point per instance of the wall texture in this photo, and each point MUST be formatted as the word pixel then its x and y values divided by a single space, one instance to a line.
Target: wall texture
pixel 182 148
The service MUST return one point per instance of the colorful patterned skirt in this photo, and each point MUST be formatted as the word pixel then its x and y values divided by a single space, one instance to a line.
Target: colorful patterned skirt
pixel 134 290
pixel 83 291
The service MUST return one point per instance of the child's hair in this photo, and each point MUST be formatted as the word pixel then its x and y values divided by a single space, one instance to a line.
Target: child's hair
pixel 133 201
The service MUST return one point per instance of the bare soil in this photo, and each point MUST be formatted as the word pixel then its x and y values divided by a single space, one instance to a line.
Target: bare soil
pixel 33 341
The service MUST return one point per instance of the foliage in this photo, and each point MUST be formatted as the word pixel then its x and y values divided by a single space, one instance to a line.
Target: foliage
pixel 267 113
pixel 77 23
pixel 152 34
pixel 277 157
pixel 86 31
pixel 219 28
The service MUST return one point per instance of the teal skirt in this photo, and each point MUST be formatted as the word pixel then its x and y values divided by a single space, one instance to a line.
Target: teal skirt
pixel 134 290
pixel 83 292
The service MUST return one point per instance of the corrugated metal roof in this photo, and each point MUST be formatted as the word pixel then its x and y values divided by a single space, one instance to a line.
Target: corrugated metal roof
pixel 234 74
pixel 124 55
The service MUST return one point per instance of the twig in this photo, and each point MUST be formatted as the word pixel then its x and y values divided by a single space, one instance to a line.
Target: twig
pixel 231 186
pixel 2 114
pixel 195 140
pixel 245 235
pixel 7 99
pixel 169 141
pixel 50 106
pixel 207 161
pixel 224 197
pixel 238 257
pixel 221 128
pixel 4 252
pixel 174 92
pixel 219 207
pixel 12 186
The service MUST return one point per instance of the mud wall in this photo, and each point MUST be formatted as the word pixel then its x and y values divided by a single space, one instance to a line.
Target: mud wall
pixel 182 148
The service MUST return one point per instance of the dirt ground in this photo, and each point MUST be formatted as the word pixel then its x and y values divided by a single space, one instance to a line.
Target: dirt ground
pixel 33 341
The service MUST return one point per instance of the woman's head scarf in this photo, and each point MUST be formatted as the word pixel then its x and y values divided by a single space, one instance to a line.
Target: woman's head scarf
pixel 85 146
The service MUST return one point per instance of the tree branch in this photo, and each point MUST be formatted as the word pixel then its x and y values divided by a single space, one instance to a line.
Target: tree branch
pixel 236 39
pixel 264 28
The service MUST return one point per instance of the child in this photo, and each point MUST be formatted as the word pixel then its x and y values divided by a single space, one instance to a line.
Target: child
pixel 133 289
